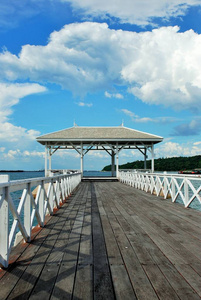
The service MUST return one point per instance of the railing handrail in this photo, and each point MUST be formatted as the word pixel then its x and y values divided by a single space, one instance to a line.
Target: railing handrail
pixel 33 180
pixel 59 187
pixel 190 176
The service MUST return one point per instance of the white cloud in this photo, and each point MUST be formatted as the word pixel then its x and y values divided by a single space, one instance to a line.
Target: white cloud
pixel 10 95
pixel 97 154
pixel 138 119
pixel 16 154
pixel 12 133
pixel 171 149
pixel 159 67
pixel 129 113
pixel 140 12
pixel 85 104
pixel 114 95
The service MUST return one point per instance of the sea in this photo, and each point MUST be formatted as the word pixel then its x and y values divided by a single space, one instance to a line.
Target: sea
pixel 34 174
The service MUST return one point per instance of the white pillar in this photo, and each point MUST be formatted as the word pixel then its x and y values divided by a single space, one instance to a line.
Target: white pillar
pixel 117 161
pixel 113 163
pixel 46 156
pixel 82 158
pixel 152 158
pixel 145 158
pixel 50 160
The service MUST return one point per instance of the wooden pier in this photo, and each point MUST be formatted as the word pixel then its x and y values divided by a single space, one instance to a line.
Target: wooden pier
pixel 109 241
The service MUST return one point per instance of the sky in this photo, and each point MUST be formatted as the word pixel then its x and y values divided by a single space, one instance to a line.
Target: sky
pixel 98 63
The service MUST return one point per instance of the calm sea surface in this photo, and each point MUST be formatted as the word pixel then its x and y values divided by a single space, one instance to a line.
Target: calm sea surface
pixel 34 174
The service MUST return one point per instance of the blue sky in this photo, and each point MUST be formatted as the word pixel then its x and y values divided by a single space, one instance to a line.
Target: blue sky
pixel 97 63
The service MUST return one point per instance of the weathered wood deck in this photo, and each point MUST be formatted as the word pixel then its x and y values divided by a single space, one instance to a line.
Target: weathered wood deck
pixel 110 241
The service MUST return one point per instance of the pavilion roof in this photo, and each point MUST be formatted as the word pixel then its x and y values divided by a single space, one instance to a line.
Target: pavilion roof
pixel 95 134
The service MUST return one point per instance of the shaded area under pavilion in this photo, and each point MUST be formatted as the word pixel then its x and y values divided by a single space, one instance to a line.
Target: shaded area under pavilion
pixel 110 139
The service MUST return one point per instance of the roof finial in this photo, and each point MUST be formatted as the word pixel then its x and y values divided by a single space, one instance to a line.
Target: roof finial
pixel 74 124
pixel 122 123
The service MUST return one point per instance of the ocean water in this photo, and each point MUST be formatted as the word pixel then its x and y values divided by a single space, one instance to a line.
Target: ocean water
pixel 97 174
pixel 35 174
pixel 24 175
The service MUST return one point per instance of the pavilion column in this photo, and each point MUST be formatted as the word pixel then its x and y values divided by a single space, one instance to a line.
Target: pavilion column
pixel 145 158
pixel 152 158
pixel 113 163
pixel 50 160
pixel 117 161
pixel 81 160
pixel 46 156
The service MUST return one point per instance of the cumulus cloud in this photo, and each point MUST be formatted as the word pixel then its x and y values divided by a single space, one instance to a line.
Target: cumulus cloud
pixel 15 154
pixel 159 67
pixel 138 119
pixel 85 104
pixel 114 95
pixel 171 149
pixel 12 133
pixel 10 95
pixel 140 12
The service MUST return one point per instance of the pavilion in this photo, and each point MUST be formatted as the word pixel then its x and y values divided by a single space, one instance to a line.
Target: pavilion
pixel 109 139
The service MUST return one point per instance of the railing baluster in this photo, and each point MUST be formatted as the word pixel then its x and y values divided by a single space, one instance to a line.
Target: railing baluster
pixel 186 192
pixel 41 204
pixel 27 212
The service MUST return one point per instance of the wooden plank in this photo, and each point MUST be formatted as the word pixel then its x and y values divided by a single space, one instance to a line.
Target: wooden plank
pixel 26 280
pixel 103 287
pixel 83 287
pixel 46 280
pixel 146 259
pixel 64 283
pixel 17 269
pixel 122 284
pixel 121 280
pixel 141 284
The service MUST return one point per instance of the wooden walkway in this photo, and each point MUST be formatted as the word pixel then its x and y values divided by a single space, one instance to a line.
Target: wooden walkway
pixel 110 241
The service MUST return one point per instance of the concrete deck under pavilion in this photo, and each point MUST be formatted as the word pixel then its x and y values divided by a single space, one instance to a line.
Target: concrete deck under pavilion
pixel 109 139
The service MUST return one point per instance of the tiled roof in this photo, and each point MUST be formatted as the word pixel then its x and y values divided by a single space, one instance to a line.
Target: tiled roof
pixel 98 133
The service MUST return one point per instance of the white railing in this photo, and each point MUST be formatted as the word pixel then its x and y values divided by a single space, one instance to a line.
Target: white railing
pixel 181 188
pixel 51 192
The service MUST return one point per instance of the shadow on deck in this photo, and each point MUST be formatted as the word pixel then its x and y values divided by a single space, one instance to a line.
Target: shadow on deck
pixel 110 241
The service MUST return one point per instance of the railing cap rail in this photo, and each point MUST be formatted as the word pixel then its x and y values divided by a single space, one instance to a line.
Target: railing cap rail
pixel 37 179
pixel 191 176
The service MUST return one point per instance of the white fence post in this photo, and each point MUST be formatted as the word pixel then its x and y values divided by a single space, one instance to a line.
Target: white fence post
pixel 186 192
pixel 41 204
pixel 4 223
pixel 27 212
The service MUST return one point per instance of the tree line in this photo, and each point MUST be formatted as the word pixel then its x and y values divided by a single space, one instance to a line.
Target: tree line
pixel 164 164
